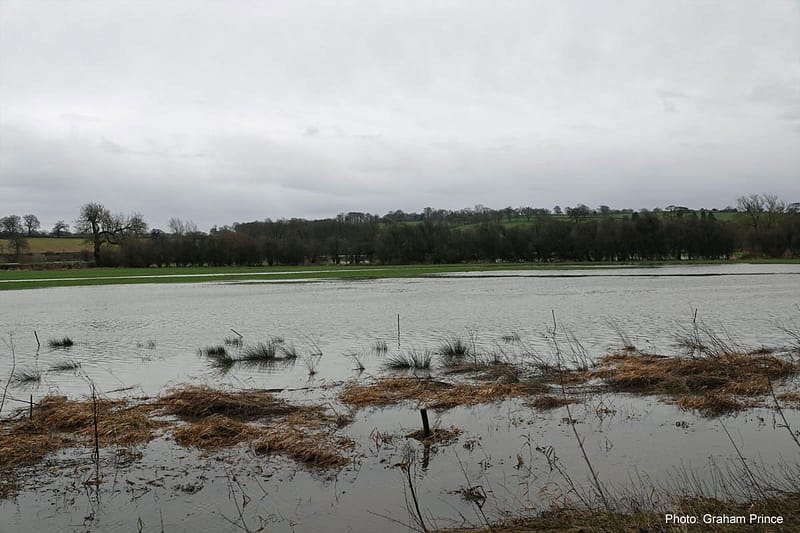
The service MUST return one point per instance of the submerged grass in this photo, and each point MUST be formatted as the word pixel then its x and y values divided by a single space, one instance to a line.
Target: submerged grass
pixel 435 394
pixel 312 448
pixel 411 360
pixel 546 402
pixel 437 435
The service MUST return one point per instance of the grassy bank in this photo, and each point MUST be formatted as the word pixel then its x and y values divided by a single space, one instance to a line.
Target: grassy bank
pixel 27 279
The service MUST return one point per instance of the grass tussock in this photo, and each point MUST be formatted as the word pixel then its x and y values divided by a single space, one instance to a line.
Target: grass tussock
pixel 219 357
pixel 214 351
pixel 410 360
pixel 260 351
pixel 199 401
pixel 28 375
pixel 63 342
pixel 214 432
pixel 312 448
pixel 435 394
pixel 454 347
pixel 288 351
pixel 64 366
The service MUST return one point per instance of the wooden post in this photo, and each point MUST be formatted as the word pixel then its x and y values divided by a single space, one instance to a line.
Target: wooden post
pixel 38 344
pixel 30 412
pixel 426 427
pixel 96 436
pixel 398 330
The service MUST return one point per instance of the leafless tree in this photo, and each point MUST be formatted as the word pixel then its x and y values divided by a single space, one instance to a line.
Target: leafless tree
pixel 31 223
pixel 103 227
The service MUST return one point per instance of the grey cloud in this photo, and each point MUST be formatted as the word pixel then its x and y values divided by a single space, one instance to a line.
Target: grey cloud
pixel 240 111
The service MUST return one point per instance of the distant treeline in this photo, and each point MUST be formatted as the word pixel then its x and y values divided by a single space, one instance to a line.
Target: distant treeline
pixel 760 226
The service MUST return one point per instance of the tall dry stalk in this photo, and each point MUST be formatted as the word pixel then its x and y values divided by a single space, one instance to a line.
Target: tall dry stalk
pixel 598 487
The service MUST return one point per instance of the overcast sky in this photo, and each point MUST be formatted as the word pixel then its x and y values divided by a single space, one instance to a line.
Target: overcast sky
pixel 233 111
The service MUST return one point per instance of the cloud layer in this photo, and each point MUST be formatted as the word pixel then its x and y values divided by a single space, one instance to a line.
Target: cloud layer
pixel 230 111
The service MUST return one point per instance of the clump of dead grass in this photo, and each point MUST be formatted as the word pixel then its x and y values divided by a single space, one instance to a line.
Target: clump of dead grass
pixel 58 423
pixel 19 448
pixel 313 448
pixel 549 401
pixel 117 422
pixel 746 374
pixel 200 401
pixel 214 432
pixel 711 404
pixel 436 394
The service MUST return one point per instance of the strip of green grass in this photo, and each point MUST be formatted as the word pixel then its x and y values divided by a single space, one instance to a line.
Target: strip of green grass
pixel 23 279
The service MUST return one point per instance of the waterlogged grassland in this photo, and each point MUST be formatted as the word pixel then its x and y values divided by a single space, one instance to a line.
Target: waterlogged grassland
pixel 23 279
pixel 27 279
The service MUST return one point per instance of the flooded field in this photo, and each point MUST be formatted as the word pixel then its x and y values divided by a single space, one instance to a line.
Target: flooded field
pixel 309 343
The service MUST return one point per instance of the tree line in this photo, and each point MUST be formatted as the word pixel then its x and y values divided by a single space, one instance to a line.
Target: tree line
pixel 761 225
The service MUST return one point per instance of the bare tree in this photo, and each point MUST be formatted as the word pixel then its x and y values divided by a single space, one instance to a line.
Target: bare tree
pixel 59 228
pixel 102 227
pixel 773 208
pixel 11 224
pixel 31 223
pixel 182 227
pixel 753 206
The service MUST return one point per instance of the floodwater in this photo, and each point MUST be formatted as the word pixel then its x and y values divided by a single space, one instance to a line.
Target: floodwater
pixel 138 340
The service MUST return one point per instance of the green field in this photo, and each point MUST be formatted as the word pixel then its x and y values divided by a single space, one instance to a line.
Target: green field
pixel 38 245
pixel 29 279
